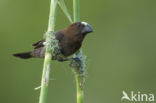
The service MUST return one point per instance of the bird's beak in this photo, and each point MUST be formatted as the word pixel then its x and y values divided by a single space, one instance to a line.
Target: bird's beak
pixel 87 28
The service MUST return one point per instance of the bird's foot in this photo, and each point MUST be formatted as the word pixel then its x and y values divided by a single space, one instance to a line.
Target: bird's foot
pixel 59 58
pixel 75 62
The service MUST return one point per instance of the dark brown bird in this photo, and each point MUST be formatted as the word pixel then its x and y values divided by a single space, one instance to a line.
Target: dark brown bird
pixel 70 41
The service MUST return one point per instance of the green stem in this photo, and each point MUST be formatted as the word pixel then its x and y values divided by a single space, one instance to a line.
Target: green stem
pixel 79 77
pixel 76 10
pixel 80 92
pixel 52 15
pixel 48 53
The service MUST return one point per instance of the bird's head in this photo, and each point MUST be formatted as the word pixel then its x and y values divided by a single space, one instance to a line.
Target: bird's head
pixel 79 29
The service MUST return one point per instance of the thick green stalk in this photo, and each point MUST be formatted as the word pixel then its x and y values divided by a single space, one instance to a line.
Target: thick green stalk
pixel 76 10
pixel 48 53
pixel 52 15
pixel 80 72
pixel 80 94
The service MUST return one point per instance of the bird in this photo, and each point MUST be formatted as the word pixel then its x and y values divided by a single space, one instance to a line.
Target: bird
pixel 69 41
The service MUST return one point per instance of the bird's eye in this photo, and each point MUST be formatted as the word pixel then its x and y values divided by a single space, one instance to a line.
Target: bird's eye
pixel 79 25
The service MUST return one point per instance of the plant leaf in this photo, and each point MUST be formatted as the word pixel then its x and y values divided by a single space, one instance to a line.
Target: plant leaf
pixel 65 10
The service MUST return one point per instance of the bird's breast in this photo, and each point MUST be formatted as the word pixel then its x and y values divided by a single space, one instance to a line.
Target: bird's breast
pixel 70 47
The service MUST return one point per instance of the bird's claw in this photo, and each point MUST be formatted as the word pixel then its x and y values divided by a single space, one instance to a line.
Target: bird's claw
pixel 59 57
pixel 75 62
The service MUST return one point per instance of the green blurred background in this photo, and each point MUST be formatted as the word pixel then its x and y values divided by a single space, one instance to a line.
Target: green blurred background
pixel 121 53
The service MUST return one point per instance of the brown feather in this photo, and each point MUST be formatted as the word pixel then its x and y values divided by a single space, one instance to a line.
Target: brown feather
pixel 70 40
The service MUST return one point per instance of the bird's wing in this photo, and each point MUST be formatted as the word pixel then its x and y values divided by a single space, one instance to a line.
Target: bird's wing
pixel 39 44
pixel 59 36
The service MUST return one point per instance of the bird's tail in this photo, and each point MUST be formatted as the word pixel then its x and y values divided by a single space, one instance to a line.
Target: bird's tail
pixel 25 55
